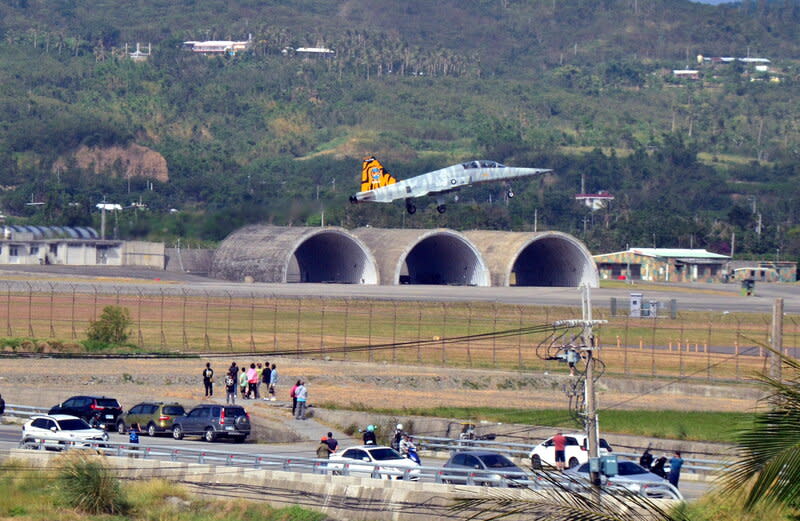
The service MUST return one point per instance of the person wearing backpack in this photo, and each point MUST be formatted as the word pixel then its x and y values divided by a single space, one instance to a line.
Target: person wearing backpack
pixel 230 389
pixel 208 380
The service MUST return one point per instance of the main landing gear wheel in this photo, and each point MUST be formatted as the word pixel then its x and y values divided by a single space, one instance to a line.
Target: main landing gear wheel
pixel 441 208
pixel 411 209
pixel 510 194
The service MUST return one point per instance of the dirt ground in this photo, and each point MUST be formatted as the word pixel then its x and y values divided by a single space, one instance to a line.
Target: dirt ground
pixel 45 382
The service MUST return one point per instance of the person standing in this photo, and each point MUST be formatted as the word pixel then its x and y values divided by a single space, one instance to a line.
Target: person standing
pixel 675 464
pixel 259 371
pixel 2 405
pixel 252 380
pixel 560 445
pixel 243 383
pixel 302 396
pixel 233 370
pixel 369 437
pixel 208 380
pixel 273 382
pixel 293 396
pixel 230 389
pixel 324 450
pixel 265 374
pixel 332 442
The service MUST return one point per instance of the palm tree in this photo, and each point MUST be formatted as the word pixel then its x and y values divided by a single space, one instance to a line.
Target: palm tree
pixel 769 450
pixel 560 500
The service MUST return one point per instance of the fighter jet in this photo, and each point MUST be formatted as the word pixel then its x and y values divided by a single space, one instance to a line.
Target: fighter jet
pixel 379 186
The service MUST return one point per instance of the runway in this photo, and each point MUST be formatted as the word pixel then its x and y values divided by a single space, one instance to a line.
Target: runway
pixel 689 296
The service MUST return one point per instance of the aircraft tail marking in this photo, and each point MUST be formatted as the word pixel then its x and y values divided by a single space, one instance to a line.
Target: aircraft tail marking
pixel 374 175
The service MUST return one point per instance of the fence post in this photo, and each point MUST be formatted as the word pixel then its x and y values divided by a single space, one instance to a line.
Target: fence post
pixel 10 331
pixel 346 320
pixel 681 341
pixel 297 328
pixel 252 322
pixel 519 339
pixel 30 310
pixel 183 319
pixel 369 329
pixel 419 333
pixel 494 337
pixel 322 325
pixel 275 323
pixel 52 305
pixel 469 332
pixel 394 332
pixel 444 332
pixel 140 337
pixel 736 345
pixel 230 306
pixel 206 339
pixel 161 319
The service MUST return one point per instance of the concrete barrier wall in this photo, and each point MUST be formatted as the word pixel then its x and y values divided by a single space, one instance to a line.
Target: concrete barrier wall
pixel 140 253
pixel 340 497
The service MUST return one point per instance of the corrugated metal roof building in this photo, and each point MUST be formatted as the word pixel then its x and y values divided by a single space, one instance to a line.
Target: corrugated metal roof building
pixel 663 265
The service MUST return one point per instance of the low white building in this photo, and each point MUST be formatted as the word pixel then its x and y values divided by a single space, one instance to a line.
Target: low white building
pixel 74 246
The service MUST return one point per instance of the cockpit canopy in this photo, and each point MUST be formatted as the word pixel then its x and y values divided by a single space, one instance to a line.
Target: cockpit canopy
pixel 482 164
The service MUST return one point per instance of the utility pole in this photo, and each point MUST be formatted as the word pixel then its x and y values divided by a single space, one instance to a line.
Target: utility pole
pixel 776 340
pixel 591 405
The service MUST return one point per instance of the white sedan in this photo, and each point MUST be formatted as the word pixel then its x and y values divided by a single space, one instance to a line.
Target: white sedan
pixel 373 461
pixel 54 430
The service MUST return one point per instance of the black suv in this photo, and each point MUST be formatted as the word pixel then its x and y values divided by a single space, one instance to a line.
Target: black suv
pixel 96 410
pixel 214 421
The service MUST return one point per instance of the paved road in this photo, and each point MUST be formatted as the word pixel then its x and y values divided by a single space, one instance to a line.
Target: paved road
pixel 696 297
pixel 10 435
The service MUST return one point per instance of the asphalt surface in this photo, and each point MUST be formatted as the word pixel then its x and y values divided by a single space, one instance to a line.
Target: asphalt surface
pixel 10 436
pixel 695 297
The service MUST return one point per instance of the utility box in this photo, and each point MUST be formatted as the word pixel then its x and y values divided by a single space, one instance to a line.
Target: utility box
pixel 636 305
pixel 609 466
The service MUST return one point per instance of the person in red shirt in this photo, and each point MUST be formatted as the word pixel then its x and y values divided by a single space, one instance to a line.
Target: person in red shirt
pixel 560 444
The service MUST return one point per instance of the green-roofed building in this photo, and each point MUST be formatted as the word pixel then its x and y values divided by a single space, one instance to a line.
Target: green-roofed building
pixel 663 265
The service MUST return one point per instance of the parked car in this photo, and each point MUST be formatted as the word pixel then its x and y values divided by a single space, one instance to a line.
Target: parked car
pixel 212 421
pixel 152 417
pixel 363 459
pixel 576 451
pixel 632 477
pixel 482 468
pixel 53 430
pixel 98 411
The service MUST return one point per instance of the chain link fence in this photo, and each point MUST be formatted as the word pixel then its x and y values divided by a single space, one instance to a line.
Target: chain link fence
pixel 47 317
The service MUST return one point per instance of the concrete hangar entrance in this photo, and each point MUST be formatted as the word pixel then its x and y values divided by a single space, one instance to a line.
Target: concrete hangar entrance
pixel 393 256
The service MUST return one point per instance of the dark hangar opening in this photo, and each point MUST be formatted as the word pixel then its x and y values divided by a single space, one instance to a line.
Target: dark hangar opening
pixel 551 261
pixel 331 257
pixel 443 259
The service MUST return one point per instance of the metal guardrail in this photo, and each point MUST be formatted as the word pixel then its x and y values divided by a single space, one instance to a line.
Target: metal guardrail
pixel 522 451
pixel 24 411
pixel 536 480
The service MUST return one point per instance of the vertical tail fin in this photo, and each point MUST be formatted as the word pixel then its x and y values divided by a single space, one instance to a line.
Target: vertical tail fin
pixel 374 175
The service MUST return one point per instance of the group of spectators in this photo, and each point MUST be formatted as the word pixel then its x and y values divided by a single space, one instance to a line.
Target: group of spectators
pixel 247 382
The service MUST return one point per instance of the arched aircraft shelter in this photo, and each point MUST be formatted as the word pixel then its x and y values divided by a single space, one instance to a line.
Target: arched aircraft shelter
pixel 289 254
pixel 425 257
pixel 535 259
pixel 402 256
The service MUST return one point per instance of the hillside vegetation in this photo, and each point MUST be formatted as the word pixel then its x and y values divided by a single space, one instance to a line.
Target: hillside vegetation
pixel 583 87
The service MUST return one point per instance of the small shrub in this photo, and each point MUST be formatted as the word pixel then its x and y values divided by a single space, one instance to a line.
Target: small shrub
pixel 89 486
pixel 351 429
pixel 111 327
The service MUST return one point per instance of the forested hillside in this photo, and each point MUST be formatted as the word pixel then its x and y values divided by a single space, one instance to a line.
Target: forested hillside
pixel 581 86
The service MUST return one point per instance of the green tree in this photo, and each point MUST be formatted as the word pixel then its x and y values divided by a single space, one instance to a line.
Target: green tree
pixel 111 327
